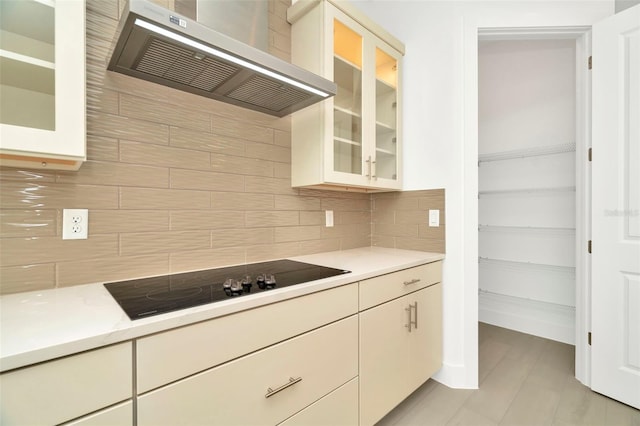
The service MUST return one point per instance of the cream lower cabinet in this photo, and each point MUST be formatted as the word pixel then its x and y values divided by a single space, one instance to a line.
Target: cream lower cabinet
pixel 120 415
pixel 256 367
pixel 166 357
pixel 339 408
pixel 263 388
pixel 400 340
pixel 343 356
pixel 68 388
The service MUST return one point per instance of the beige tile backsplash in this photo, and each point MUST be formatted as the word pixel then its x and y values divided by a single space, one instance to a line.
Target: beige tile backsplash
pixel 400 220
pixel 177 182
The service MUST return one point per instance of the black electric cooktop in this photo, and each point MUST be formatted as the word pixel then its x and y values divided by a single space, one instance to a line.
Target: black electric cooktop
pixel 145 297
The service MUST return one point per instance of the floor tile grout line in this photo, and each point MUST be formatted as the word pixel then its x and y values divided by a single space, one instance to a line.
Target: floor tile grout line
pixel 560 394
pixel 462 406
pixel 531 369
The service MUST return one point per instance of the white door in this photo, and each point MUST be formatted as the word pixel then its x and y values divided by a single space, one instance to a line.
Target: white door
pixel 615 364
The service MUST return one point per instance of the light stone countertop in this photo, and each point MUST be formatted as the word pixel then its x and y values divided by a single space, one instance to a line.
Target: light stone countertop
pixel 42 325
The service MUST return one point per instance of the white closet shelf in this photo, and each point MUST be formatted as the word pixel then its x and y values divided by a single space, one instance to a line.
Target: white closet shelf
pixel 511 264
pixel 527 229
pixel 558 189
pixel 521 302
pixel 527 152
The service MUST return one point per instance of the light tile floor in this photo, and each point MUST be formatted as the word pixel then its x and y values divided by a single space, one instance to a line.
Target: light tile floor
pixel 524 380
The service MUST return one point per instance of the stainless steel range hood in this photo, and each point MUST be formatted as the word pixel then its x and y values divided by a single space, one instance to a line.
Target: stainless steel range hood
pixel 158 45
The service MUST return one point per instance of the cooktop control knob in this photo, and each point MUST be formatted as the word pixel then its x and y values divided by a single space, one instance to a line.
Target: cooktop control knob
pixel 232 287
pixel 269 281
pixel 260 282
pixel 246 284
pixel 226 286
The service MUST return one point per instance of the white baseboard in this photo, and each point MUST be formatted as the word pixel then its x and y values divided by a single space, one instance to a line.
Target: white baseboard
pixel 548 320
pixel 456 376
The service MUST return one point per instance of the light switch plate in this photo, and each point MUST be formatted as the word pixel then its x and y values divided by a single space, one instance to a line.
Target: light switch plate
pixel 434 218
pixel 328 218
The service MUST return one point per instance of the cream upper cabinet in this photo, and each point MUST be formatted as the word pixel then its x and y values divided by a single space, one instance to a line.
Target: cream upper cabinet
pixel 353 140
pixel 42 84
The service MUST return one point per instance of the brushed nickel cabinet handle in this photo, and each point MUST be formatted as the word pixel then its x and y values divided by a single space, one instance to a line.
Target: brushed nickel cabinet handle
pixel 413 321
pixel 413 281
pixel 408 325
pixel 415 317
pixel 291 382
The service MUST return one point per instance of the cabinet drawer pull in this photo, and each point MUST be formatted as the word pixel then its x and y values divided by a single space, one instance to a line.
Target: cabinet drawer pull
pixel 291 382
pixel 413 281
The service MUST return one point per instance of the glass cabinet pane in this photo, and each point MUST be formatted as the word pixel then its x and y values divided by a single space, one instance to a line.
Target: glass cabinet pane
pixel 27 64
pixel 347 112
pixel 386 115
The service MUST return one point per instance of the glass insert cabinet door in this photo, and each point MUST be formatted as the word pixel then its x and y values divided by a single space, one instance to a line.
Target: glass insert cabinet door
pixel 351 141
pixel 42 83
pixel 365 108
pixel 386 152
pixel 27 64
pixel 347 110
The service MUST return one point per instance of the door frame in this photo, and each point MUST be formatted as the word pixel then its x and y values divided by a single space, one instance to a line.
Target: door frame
pixel 582 36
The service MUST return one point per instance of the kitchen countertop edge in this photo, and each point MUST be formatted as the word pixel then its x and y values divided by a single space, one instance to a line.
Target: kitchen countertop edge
pixel 40 326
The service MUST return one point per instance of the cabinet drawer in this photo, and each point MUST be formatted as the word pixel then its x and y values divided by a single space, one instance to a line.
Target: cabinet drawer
pixel 172 355
pixel 66 388
pixel 235 393
pixel 380 289
pixel 339 408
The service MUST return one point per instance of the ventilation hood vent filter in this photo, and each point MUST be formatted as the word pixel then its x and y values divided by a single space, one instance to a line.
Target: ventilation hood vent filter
pixel 157 45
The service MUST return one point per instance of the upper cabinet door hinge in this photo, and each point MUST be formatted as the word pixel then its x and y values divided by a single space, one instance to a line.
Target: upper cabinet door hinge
pixel 590 154
pixel 590 62
pixel 589 246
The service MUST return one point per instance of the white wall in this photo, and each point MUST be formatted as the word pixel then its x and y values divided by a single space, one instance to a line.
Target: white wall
pixel 625 4
pixel 527 94
pixel 440 132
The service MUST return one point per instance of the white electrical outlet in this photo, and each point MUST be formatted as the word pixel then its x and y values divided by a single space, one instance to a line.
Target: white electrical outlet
pixel 75 224
pixel 434 218
pixel 328 218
